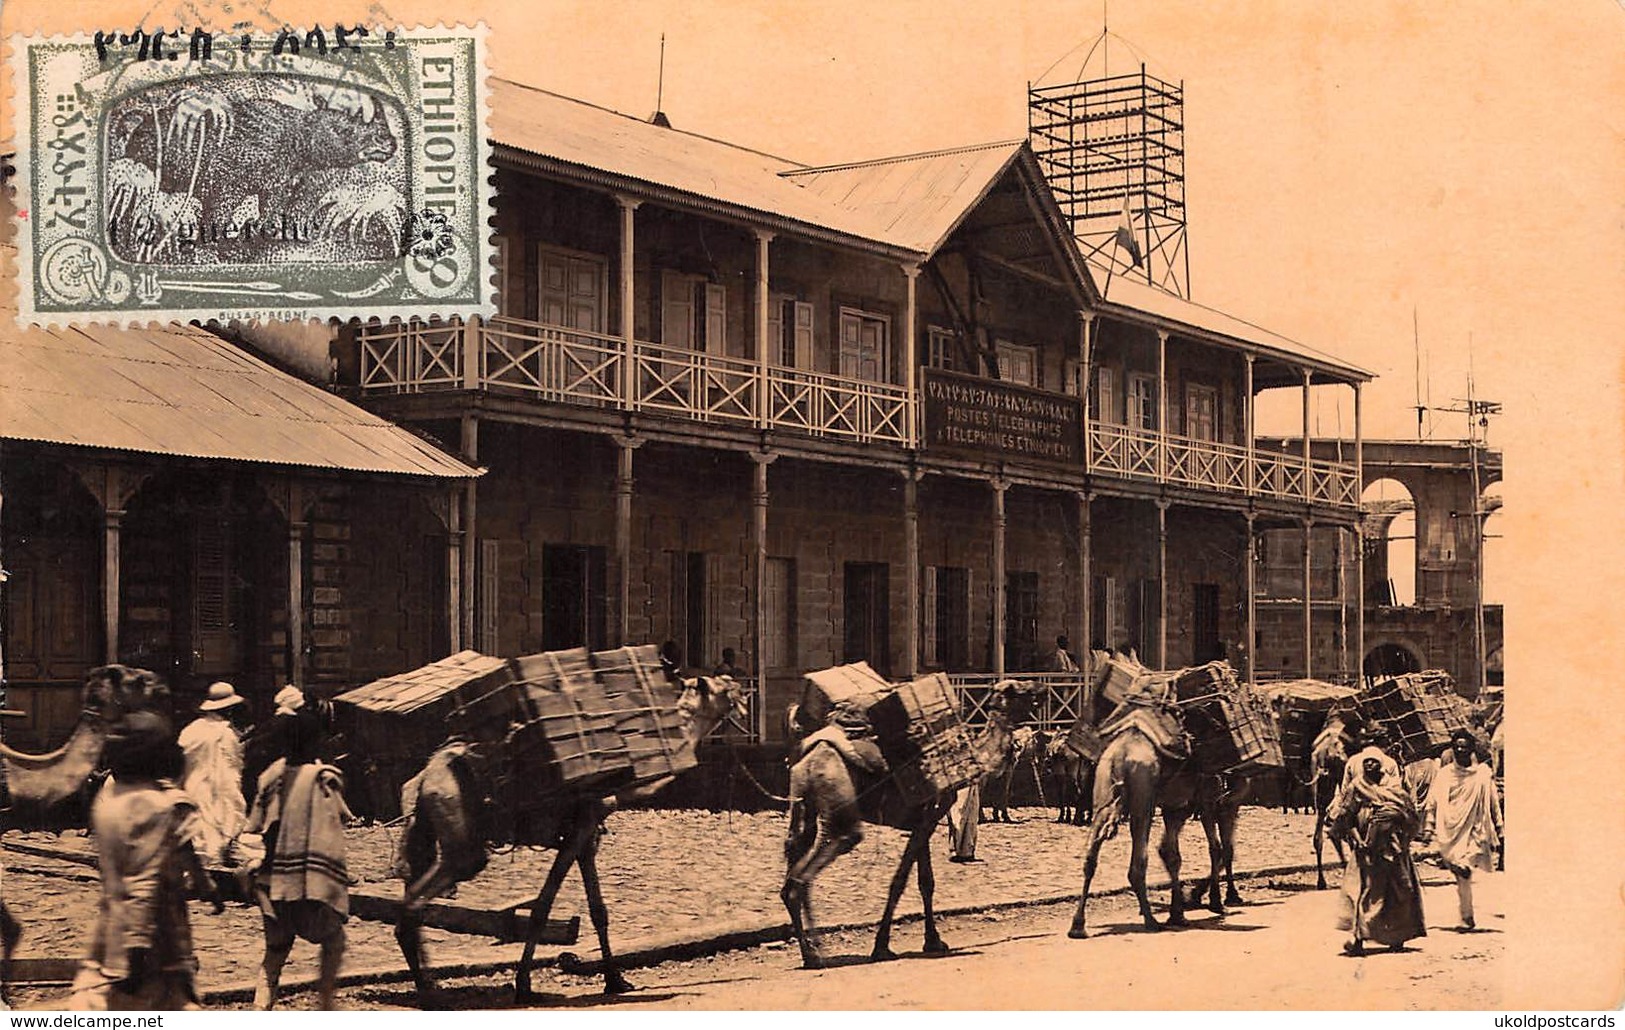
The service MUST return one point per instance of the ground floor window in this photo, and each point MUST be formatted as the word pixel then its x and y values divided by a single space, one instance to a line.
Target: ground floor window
pixel 946 611
pixel 1021 622
pixel 1205 643
pixel 866 611
pixel 779 632
pixel 573 597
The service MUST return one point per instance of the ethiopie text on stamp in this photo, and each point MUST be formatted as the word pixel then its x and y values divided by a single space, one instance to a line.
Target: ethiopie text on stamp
pixel 326 173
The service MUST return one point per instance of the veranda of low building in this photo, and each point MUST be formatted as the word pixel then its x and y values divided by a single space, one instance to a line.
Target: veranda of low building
pixel 713 409
pixel 174 503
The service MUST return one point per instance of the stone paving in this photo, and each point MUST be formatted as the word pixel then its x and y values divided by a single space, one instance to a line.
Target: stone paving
pixel 662 872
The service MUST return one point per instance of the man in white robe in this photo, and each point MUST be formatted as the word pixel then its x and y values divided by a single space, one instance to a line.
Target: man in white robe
pixel 1463 819
pixel 214 774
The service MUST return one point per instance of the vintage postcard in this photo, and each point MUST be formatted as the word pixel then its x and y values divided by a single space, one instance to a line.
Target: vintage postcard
pixel 302 174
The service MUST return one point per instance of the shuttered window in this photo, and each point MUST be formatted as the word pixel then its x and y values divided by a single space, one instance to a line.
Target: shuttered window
pixel 945 612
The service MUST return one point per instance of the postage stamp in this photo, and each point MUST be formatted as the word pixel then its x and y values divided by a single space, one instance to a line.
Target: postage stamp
pixel 301 174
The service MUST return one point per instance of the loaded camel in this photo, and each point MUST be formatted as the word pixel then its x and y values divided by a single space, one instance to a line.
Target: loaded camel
pixel 445 844
pixel 42 781
pixel 832 795
pixel 1135 776
pixel 1073 777
pixel 1027 746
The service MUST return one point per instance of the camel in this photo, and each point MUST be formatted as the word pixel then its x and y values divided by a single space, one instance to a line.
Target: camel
pixel 1219 801
pixel 42 781
pixel 1026 747
pixel 830 799
pixel 1327 758
pixel 1073 777
pixel 444 844
pixel 1132 780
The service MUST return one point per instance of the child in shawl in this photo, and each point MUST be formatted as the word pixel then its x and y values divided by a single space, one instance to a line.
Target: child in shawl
pixel 1379 819
pixel 303 887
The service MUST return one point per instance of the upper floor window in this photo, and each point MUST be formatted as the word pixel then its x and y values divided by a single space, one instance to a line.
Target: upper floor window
pixel 504 299
pixel 1105 399
pixel 571 290
pixel 1142 402
pixel 789 331
pixel 1201 412
pixel 693 313
pixel 1072 378
pixel 941 348
pixel 865 341
pixel 1018 364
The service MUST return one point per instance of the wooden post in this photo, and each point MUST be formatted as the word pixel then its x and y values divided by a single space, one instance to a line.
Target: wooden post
pixel 628 307
pixel 763 344
pixel 1086 323
pixel 1252 598
pixel 113 521
pixel 1308 598
pixel 1252 437
pixel 1162 405
pixel 1162 584
pixel 471 540
pixel 759 498
pixel 296 583
pixel 1359 544
pixel 1086 582
pixel 911 357
pixel 999 487
pixel 625 445
pixel 454 570
pixel 1308 474
pixel 1343 600
pixel 911 565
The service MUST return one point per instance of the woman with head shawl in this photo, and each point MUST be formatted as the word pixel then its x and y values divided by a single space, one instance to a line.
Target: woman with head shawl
pixel 1378 818
pixel 303 887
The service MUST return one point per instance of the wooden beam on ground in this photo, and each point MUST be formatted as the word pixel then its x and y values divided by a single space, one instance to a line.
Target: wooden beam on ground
pixel 507 924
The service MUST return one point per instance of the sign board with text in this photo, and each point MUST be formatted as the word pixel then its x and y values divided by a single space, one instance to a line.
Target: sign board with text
pixel 988 419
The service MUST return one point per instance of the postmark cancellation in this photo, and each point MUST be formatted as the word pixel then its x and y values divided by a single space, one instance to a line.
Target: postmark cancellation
pixel 315 174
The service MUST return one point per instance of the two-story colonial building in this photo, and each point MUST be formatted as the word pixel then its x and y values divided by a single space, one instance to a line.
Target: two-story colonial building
pixel 880 411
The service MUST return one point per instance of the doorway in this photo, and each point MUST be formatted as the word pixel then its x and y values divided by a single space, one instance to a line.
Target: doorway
pixel 866 612
pixel 573 597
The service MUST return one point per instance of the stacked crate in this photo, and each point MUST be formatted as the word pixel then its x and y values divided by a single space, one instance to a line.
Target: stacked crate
pixel 645 711
pixel 1232 732
pixel 925 742
pixel 1302 707
pixel 1420 709
pixel 564 733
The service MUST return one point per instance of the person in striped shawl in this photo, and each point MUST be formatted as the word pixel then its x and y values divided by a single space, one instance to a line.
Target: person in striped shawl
pixel 303 887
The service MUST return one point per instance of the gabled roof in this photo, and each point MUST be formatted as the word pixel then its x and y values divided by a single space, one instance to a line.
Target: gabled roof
pixel 185 392
pixel 917 200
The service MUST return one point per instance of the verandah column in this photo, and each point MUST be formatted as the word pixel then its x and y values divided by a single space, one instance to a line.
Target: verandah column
pixel 454 568
pixel 296 583
pixel 624 445
pixel 1250 558
pixel 763 344
pixel 1086 581
pixel 1251 440
pixel 1162 405
pixel 911 560
pixel 911 357
pixel 1359 543
pixel 1162 584
pixel 1086 323
pixel 758 499
pixel 999 488
pixel 1308 476
pixel 628 308
pixel 113 520
pixel 1308 601
pixel 471 455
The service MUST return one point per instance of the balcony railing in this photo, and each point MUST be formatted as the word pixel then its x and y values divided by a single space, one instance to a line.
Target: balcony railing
pixel 575 366
pixel 1059 701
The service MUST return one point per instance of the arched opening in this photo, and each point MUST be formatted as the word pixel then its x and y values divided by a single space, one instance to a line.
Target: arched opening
pixel 1390 659
pixel 52 598
pixel 1391 554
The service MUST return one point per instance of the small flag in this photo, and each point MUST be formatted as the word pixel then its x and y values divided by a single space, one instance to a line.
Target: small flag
pixel 1125 235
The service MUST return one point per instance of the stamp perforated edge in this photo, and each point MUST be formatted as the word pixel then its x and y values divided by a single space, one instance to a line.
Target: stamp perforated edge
pixel 14 72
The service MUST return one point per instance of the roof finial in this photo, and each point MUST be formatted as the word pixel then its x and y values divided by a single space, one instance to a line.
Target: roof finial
pixel 660 118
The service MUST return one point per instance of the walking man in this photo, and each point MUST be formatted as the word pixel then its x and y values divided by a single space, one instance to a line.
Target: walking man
pixel 303 887
pixel 214 773
pixel 1463 816
pixel 1378 817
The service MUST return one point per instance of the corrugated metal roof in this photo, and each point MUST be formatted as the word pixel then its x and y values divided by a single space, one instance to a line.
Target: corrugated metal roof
pixel 915 201
pixel 186 392
pixel 1125 291
pixel 558 127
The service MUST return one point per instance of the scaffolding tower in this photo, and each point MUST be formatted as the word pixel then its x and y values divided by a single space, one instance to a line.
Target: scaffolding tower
pixel 1114 145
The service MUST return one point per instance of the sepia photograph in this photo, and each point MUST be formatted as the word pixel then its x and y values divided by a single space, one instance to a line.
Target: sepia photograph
pixel 747 505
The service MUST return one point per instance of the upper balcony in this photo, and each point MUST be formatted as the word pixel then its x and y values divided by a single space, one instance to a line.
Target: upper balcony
pixel 556 364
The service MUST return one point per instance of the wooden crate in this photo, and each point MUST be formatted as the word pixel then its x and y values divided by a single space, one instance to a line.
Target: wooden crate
pixel 1085 740
pixel 569 743
pixel 1419 709
pixel 1232 732
pixel 646 712
pixel 825 690
pixel 1201 680
pixel 927 745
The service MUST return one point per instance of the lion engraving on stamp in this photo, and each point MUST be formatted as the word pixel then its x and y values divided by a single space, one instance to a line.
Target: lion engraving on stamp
pixel 294 175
